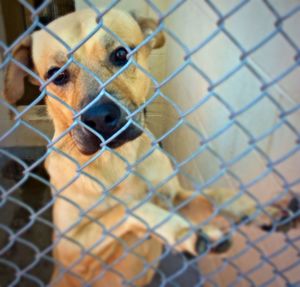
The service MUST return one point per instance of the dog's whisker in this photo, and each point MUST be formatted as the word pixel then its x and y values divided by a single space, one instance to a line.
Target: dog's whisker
pixel 158 103
pixel 159 115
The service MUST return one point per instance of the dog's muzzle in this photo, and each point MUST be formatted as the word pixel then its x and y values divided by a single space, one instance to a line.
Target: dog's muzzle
pixel 105 119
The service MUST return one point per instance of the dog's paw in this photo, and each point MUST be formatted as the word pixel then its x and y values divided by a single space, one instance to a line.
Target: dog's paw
pixel 204 243
pixel 281 217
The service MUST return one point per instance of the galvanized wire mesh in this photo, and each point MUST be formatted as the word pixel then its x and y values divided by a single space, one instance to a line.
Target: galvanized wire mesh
pixel 17 273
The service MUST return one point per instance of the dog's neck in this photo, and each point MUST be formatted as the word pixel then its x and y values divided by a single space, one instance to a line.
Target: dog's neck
pixel 106 165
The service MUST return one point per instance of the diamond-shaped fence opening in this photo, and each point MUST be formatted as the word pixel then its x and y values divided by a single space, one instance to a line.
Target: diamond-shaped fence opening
pixel 172 143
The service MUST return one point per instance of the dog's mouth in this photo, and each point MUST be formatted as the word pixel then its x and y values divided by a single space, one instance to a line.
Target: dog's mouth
pixel 89 143
pixel 106 124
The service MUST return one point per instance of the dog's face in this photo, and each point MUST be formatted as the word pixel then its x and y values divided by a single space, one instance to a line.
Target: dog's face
pixel 105 111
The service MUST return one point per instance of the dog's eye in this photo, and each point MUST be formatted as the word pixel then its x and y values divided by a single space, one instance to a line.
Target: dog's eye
pixel 61 79
pixel 119 57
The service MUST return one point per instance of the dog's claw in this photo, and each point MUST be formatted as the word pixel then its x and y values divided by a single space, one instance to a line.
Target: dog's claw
pixel 222 247
pixel 203 244
pixel 286 219
pixel 294 205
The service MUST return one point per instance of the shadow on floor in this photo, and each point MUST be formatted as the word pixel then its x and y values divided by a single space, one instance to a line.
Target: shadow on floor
pixel 34 234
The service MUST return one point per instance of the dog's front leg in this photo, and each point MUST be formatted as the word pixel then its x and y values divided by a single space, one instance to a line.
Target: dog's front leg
pixel 239 206
pixel 91 241
pixel 145 219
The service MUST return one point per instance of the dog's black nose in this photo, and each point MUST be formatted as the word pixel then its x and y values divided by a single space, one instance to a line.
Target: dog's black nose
pixel 103 118
pixel 106 118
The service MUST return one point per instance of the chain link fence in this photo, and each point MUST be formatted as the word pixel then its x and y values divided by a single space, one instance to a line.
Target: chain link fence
pixel 256 258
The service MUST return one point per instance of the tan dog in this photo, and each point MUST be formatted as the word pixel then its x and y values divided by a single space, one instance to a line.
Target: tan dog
pixel 103 200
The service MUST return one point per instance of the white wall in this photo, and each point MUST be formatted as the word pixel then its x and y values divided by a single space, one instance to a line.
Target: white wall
pixel 216 59
pixel 192 23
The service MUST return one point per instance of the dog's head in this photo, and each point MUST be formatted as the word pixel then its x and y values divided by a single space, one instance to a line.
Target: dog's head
pixel 105 111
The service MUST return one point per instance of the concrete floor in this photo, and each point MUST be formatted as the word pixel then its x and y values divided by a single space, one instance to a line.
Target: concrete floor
pixel 35 236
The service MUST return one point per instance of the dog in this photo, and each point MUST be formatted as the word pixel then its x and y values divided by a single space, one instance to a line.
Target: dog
pixel 112 214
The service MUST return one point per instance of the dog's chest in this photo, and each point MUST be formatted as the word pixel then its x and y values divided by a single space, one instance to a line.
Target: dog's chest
pixel 110 173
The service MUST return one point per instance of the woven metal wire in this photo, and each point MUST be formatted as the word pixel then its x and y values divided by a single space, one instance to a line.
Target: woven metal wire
pixel 9 195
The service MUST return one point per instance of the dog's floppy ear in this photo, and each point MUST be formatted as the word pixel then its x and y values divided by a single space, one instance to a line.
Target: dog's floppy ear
pixel 148 26
pixel 15 75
